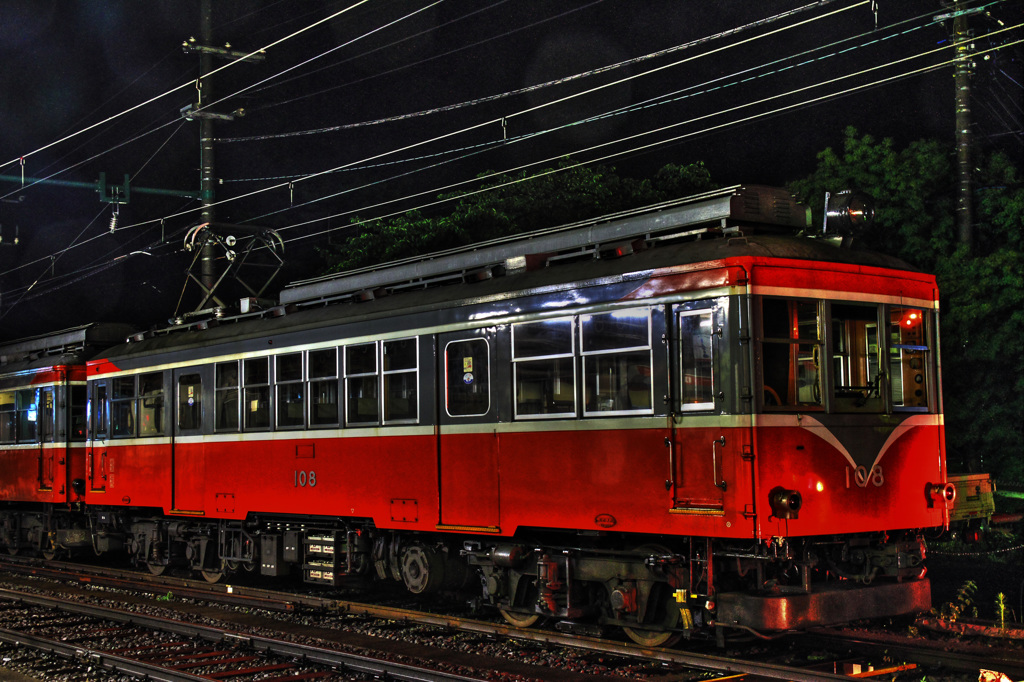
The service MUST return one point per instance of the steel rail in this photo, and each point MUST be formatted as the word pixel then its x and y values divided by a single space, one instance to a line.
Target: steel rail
pixel 346 661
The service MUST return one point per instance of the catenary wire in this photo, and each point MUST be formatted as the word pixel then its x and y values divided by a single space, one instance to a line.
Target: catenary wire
pixel 183 85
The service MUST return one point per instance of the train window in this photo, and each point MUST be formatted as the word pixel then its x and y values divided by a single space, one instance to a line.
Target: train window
pixel 225 412
pixel 256 391
pixel 791 352
pixel 101 422
pixel 467 378
pixel 616 349
pixel 290 391
pixel 908 357
pixel 856 371
pixel 323 387
pixel 122 407
pixel 696 359
pixel 8 417
pixel 77 412
pixel 544 368
pixel 399 379
pixel 361 396
pixel 151 404
pixel 28 415
pixel 46 417
pixel 190 402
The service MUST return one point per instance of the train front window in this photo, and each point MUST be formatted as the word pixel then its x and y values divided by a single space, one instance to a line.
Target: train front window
pixel 856 367
pixel 909 357
pixel 791 352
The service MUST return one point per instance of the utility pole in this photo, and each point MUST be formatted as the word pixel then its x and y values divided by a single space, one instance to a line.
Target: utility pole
pixel 962 79
pixel 208 276
pixel 208 254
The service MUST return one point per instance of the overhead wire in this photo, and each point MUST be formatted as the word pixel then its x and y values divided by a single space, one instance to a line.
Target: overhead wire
pixel 747 119
pixel 538 86
pixel 155 98
pixel 650 132
pixel 495 121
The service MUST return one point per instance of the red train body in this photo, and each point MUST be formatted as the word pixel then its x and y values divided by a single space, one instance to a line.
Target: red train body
pixel 685 419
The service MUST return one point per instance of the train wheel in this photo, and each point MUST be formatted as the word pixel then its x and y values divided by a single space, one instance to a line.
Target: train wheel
pixel 666 615
pixel 156 569
pixel 212 576
pixel 520 620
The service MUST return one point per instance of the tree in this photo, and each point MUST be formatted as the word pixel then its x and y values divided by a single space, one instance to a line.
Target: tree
pixel 510 204
pixel 982 291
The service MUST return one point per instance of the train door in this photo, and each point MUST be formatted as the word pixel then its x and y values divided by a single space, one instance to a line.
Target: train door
pixel 99 432
pixel 187 445
pixel 45 422
pixel 468 442
pixel 698 439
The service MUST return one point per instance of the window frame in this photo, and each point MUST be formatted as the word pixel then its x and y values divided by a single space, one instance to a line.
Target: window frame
pixel 595 356
pixel 712 312
pixel 519 362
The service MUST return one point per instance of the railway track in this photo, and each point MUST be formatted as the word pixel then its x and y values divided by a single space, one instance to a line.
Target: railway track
pixel 247 597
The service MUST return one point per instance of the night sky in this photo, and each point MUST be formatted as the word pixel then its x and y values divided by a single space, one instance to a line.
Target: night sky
pixel 404 100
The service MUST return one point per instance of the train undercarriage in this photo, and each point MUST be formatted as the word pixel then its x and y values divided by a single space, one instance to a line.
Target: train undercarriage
pixel 657 589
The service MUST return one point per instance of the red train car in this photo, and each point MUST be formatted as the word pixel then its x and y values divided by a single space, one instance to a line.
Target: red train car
pixel 43 433
pixel 668 420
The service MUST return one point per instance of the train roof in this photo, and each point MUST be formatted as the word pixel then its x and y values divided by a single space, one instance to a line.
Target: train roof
pixel 741 221
pixel 68 346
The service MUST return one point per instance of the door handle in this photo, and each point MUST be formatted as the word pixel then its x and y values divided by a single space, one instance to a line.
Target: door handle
pixel 714 461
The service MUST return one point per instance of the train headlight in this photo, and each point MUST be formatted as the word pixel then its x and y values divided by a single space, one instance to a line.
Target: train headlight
pixel 941 492
pixel 847 212
pixel 785 503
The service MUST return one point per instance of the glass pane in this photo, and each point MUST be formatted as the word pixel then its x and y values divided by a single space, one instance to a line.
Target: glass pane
pixel 257 371
pixel 122 418
pixel 697 360
pixel 290 405
pixel 323 397
pixel 227 374
pixel 856 379
pixel 619 329
pixel 289 367
pixel 361 359
pixel 361 400
pixel 400 397
pixel 539 339
pixel 123 387
pixel 909 359
pixel 790 319
pixel 467 378
pixel 256 407
pixel 545 387
pixel 46 415
pixel 400 354
pixel 28 416
pixel 190 408
pixel 78 413
pixel 323 363
pixel 618 382
pixel 99 407
pixel 151 404
pixel 226 409
pixel 8 417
